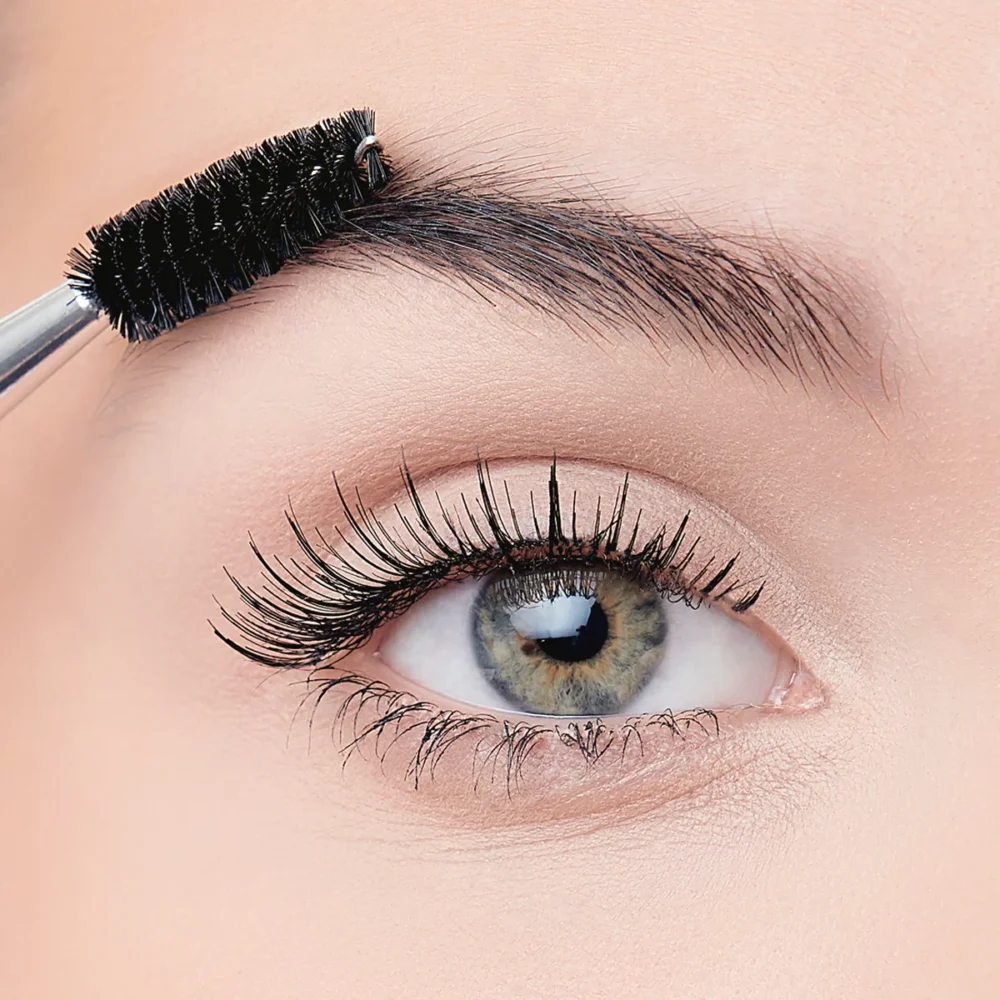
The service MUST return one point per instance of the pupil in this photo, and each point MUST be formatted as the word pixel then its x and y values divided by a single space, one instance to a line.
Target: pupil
pixel 582 644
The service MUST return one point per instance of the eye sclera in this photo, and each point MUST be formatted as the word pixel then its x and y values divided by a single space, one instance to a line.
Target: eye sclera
pixel 795 689
pixel 667 656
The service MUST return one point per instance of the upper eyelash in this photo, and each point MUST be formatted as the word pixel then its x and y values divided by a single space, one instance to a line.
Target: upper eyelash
pixel 318 607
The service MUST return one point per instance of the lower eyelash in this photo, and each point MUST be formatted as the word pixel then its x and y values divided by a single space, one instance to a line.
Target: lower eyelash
pixel 329 602
pixel 499 748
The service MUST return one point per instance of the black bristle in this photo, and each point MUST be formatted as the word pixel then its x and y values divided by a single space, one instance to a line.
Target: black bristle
pixel 199 242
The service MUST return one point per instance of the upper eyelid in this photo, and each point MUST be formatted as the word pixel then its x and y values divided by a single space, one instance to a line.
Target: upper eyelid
pixel 323 604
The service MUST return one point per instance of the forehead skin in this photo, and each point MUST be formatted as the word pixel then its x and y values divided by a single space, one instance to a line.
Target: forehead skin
pixel 870 129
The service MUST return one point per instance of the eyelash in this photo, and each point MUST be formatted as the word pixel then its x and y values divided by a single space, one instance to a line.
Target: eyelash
pixel 315 609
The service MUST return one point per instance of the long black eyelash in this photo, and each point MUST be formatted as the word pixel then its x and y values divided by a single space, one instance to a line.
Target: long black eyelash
pixel 315 608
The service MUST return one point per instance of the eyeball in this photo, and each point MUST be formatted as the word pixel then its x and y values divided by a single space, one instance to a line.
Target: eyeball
pixel 572 641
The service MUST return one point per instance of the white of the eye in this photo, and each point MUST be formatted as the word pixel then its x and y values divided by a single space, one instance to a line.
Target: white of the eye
pixel 711 660
pixel 433 644
pixel 553 618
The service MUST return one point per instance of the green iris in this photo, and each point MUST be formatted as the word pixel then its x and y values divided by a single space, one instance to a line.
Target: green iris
pixel 569 641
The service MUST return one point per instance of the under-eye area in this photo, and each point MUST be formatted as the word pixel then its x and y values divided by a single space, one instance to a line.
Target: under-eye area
pixel 517 620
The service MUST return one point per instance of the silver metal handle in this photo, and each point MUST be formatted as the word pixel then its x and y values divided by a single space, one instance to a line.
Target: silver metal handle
pixel 38 338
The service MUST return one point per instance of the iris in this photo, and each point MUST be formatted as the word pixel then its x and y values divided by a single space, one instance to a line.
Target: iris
pixel 569 641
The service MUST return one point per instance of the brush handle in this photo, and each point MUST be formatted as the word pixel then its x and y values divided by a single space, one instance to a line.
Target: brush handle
pixel 38 338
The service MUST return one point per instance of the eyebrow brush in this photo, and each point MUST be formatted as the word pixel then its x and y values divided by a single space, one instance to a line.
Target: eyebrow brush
pixel 196 244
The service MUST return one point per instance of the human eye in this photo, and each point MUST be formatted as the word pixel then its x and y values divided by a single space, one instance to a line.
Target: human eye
pixel 513 610
pixel 588 641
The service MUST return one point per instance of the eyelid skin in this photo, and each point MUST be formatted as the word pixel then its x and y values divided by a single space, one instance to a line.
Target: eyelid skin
pixel 486 756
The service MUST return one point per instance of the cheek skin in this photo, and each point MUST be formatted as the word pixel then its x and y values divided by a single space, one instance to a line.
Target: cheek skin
pixel 167 729
pixel 160 728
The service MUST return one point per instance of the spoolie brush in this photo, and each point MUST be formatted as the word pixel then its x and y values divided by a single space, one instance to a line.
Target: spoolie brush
pixel 198 243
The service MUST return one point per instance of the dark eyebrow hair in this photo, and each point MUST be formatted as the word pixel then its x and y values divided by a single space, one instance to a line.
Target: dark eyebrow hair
pixel 597 265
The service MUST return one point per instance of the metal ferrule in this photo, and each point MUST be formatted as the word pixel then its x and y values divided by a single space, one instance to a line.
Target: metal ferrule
pixel 40 337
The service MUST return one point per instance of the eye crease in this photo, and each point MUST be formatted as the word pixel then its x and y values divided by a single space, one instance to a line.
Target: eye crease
pixel 482 622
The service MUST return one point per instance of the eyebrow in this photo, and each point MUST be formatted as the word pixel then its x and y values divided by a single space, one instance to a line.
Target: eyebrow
pixel 597 266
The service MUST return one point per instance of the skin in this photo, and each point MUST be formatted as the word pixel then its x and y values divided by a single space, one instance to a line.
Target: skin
pixel 169 830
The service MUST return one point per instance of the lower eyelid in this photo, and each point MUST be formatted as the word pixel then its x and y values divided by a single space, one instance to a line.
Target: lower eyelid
pixel 541 768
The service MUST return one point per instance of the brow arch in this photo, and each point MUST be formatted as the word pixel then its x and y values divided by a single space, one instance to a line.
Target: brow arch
pixel 597 265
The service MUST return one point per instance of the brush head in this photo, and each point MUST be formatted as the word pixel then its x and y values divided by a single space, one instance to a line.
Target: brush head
pixel 198 243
